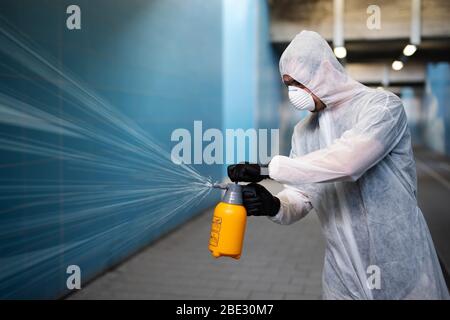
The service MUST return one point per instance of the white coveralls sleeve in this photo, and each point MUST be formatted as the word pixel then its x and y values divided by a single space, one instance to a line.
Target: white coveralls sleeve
pixel 294 205
pixel 350 156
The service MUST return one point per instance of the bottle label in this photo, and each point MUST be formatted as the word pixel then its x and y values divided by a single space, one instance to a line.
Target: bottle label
pixel 215 231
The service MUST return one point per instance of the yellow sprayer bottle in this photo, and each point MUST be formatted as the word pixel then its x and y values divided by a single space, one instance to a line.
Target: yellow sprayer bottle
pixel 228 224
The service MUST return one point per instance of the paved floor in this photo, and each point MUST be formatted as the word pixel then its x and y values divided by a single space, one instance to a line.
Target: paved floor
pixel 278 262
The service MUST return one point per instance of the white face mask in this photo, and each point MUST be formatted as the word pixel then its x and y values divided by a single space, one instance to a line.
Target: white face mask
pixel 301 99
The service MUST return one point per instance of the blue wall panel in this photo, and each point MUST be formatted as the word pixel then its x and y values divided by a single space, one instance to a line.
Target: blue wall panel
pixel 251 85
pixel 436 126
pixel 159 63
pixel 98 104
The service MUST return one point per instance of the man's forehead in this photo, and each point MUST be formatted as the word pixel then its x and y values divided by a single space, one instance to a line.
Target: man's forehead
pixel 287 79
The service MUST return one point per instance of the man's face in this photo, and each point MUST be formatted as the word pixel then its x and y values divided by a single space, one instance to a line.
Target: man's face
pixel 289 81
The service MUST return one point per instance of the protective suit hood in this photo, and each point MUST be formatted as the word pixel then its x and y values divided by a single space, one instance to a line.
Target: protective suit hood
pixel 309 60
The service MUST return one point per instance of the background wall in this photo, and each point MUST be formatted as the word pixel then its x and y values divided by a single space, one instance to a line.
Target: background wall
pixel 97 109
pixel 427 109
pixel 159 63
pixel 436 125
pixel 251 81
pixel 412 99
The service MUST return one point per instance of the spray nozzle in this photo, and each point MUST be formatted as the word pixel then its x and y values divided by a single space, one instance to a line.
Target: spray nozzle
pixel 233 193
pixel 220 185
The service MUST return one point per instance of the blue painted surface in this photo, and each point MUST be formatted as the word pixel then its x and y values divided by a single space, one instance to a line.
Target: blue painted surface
pixel 436 128
pixel 157 62
pixel 239 63
pixel 412 102
pixel 251 85
pixel 163 64
pixel 269 83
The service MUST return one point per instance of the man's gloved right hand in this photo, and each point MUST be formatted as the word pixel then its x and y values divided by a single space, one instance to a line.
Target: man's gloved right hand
pixel 258 201
pixel 245 172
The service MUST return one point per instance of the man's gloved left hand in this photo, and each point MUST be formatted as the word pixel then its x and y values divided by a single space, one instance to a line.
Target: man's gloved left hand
pixel 245 172
pixel 258 201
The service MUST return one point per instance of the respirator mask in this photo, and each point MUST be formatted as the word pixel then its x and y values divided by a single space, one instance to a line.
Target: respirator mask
pixel 301 99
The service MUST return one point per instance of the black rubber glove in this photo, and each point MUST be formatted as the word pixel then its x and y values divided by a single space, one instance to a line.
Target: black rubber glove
pixel 245 172
pixel 258 201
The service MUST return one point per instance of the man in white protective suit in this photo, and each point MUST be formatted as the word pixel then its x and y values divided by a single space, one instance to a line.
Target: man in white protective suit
pixel 351 161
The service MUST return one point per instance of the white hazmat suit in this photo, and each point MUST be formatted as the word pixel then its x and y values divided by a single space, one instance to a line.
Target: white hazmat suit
pixel 352 162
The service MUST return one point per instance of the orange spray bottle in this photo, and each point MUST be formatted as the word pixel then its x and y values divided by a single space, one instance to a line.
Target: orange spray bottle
pixel 228 223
